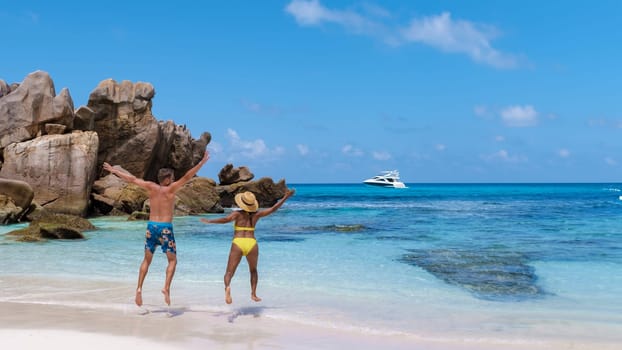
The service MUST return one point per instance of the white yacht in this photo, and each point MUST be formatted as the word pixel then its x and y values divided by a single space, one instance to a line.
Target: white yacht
pixel 389 178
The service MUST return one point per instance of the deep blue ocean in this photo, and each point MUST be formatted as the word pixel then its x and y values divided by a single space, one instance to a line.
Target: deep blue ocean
pixel 516 261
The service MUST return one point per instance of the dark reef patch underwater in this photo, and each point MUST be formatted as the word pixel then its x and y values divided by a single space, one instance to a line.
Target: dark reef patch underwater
pixel 487 274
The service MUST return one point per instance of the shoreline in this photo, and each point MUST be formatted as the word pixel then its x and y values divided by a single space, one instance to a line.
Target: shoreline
pixel 31 326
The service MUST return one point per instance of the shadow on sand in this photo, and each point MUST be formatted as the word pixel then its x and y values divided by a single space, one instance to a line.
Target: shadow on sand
pixel 167 311
pixel 254 311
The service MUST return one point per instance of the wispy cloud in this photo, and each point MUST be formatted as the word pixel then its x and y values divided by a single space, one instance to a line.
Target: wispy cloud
pixel 440 147
pixel 259 108
pixel 459 36
pixel 313 13
pixel 438 31
pixel 611 161
pixel 33 16
pixel 23 18
pixel 350 150
pixel 604 123
pixel 255 149
pixel 381 155
pixel 504 156
pixel 519 116
pixel 563 153
pixel 303 150
pixel 481 111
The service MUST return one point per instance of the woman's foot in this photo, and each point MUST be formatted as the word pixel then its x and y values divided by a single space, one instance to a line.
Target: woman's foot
pixel 167 296
pixel 139 297
pixel 255 298
pixel 228 299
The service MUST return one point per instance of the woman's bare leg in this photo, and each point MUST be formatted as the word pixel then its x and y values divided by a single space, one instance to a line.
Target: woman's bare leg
pixel 252 259
pixel 235 255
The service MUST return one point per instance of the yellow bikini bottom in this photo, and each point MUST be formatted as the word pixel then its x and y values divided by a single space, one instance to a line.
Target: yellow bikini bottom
pixel 246 244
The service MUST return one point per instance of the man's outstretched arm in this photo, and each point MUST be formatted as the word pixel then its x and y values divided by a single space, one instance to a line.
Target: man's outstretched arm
pixel 126 176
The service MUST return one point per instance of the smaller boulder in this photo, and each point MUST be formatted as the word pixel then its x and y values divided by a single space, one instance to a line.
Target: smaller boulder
pixel 229 175
pixel 47 225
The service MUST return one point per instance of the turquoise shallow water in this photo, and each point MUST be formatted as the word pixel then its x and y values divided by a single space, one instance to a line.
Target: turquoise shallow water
pixel 469 260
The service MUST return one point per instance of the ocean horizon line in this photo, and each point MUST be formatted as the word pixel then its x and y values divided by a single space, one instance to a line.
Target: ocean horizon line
pixel 463 183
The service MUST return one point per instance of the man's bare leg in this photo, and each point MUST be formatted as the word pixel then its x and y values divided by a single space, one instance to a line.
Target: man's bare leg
pixel 142 273
pixel 252 258
pixel 235 255
pixel 170 272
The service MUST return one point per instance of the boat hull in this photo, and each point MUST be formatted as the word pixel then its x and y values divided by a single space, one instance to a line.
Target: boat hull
pixel 387 185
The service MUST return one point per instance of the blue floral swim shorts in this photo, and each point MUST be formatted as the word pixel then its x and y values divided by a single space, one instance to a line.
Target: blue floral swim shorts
pixel 160 233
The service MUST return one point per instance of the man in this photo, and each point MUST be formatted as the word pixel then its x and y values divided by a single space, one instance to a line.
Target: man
pixel 160 226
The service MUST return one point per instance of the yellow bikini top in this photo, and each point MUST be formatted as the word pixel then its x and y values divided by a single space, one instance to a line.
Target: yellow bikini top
pixel 243 228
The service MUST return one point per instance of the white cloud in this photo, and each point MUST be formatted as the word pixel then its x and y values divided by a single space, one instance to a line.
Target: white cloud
pixel 350 150
pixel 215 148
pixel 472 39
pixel 564 153
pixel 611 161
pixel 438 31
pixel 310 13
pixel 252 106
pixel 499 138
pixel 381 155
pixel 252 149
pixel 440 147
pixel 303 149
pixel 504 156
pixel 519 116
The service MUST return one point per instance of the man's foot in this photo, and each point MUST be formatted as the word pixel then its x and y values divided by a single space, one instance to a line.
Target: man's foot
pixel 139 297
pixel 167 296
pixel 228 299
pixel 255 298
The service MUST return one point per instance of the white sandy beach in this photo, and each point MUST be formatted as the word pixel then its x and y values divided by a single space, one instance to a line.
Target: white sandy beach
pixel 38 326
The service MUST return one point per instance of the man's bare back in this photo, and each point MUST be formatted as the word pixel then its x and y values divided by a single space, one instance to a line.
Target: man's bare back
pixel 162 203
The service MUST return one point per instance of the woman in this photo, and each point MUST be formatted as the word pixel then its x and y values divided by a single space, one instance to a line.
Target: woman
pixel 244 243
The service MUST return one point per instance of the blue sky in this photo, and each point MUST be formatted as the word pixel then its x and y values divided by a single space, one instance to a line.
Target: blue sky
pixel 336 91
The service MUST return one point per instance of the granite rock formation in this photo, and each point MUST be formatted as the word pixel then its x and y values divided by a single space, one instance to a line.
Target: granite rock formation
pixel 53 226
pixel 25 111
pixel 130 136
pixel 15 200
pixel 60 169
pixel 265 189
pixel 59 153
pixel 229 175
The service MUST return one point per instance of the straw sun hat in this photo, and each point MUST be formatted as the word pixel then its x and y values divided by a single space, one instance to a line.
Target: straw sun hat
pixel 247 201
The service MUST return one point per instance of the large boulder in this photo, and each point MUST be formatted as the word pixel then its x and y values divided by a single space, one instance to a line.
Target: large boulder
pixel 25 110
pixel 198 196
pixel 131 136
pixel 5 88
pixel 19 191
pixel 110 192
pixel 15 200
pixel 9 212
pixel 59 168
